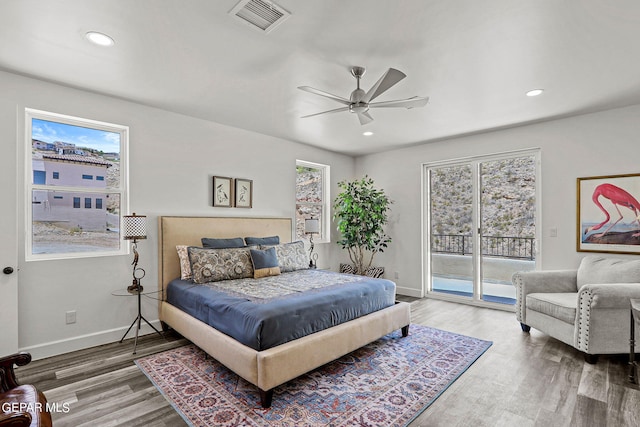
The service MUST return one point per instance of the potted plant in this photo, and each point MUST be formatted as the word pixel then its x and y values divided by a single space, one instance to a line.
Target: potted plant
pixel 361 212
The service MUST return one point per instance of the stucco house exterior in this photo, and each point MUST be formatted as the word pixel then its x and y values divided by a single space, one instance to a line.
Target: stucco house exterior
pixel 84 210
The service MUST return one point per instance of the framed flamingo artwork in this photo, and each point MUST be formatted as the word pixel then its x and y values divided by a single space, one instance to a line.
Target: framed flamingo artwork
pixel 609 214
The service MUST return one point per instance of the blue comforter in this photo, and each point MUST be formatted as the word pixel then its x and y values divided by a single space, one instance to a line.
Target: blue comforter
pixel 263 313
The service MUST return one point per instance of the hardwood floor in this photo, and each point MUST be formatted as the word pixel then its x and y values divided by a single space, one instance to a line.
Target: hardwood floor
pixel 522 380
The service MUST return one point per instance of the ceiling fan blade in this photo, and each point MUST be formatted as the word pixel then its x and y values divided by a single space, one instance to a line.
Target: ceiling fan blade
pixel 388 79
pixel 325 94
pixel 364 118
pixel 413 102
pixel 327 112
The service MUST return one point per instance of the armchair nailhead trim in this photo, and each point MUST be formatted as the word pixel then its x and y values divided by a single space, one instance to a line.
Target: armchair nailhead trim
pixel 520 297
pixel 584 314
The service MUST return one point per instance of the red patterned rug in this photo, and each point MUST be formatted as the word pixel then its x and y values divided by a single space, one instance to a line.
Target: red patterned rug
pixel 386 383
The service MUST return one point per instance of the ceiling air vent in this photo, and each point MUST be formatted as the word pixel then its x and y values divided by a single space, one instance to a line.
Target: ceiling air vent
pixel 260 15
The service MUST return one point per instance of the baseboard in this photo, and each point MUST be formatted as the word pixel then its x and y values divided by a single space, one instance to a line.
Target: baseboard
pixel 409 292
pixel 54 348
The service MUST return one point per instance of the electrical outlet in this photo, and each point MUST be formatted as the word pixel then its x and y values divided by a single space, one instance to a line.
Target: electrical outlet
pixel 553 232
pixel 71 317
pixel 396 275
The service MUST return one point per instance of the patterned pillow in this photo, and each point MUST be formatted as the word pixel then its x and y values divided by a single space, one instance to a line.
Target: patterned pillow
pixel 185 266
pixel 265 263
pixel 214 265
pixel 291 256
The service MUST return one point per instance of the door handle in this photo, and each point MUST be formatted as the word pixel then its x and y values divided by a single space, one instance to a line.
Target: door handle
pixel 7 270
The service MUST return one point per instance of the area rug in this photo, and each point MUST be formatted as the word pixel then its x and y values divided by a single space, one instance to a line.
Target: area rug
pixel 386 383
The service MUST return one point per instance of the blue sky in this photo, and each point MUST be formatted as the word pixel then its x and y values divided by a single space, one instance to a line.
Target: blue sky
pixel 47 131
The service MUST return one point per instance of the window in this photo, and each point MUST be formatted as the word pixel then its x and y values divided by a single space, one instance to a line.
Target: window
pixel 39 177
pixel 312 198
pixel 73 151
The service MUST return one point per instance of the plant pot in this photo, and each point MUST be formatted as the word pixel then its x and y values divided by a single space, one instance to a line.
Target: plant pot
pixel 375 272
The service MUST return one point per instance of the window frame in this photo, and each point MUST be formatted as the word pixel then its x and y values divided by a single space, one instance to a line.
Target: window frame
pixel 122 191
pixel 325 205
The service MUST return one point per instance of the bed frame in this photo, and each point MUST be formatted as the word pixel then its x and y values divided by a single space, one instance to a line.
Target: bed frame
pixel 268 368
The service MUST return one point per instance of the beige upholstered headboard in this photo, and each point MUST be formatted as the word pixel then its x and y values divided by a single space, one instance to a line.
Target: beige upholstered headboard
pixel 188 230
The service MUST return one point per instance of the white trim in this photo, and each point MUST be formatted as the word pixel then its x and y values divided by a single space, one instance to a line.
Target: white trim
pixel 410 292
pixel 29 186
pixel 81 342
pixel 326 195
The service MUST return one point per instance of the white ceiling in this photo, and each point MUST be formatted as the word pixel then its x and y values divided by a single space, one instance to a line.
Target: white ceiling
pixel 474 59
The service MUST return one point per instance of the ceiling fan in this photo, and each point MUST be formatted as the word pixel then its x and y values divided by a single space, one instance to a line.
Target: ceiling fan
pixel 360 103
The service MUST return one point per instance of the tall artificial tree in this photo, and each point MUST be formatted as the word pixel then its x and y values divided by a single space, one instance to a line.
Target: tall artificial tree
pixel 361 212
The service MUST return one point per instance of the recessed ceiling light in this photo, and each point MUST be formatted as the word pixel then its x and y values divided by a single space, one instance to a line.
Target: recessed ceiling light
pixel 367 133
pixel 535 92
pixel 99 38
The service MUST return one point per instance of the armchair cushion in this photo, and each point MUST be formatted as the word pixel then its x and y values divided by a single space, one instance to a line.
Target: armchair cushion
pixel 597 269
pixel 559 305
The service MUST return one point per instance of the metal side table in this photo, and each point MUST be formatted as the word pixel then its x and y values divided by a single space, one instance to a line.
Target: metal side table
pixel 138 320
pixel 635 319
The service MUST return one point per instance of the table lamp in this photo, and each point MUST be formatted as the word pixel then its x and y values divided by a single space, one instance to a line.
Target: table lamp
pixel 135 228
pixel 311 227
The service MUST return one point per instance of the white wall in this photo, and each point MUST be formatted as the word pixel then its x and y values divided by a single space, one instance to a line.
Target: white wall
pixel 605 143
pixel 172 159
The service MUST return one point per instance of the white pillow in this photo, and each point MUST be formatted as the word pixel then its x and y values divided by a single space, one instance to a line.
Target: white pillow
pixel 185 265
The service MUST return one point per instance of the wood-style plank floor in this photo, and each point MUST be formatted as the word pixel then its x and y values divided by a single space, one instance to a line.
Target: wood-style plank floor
pixel 522 380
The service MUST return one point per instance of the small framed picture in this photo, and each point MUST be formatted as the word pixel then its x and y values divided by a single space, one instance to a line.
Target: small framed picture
pixel 244 193
pixel 222 192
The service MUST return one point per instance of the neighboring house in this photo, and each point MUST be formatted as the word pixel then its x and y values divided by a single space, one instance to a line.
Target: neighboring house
pixel 84 209
pixel 41 145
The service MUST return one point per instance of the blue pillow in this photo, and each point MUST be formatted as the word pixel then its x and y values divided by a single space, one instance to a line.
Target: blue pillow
pixel 272 240
pixel 211 243
pixel 265 263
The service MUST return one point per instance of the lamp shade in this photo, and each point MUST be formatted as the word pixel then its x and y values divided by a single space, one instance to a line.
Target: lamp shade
pixel 312 226
pixel 135 227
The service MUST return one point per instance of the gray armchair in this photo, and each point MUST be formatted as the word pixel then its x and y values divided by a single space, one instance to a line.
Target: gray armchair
pixel 587 308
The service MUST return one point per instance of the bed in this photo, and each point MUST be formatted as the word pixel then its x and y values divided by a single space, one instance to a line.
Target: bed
pixel 268 368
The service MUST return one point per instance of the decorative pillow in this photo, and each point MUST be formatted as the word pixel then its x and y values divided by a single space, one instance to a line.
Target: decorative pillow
pixel 291 256
pixel 235 242
pixel 265 263
pixel 271 240
pixel 185 266
pixel 595 269
pixel 214 265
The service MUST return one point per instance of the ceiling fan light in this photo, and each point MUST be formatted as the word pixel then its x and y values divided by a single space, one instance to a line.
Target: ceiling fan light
pixel 535 92
pixel 358 108
pixel 99 38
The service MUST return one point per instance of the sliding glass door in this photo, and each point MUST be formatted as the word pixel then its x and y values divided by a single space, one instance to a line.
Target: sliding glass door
pixel 451 226
pixel 480 222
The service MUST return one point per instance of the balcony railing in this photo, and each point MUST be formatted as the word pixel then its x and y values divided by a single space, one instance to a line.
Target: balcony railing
pixel 505 247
